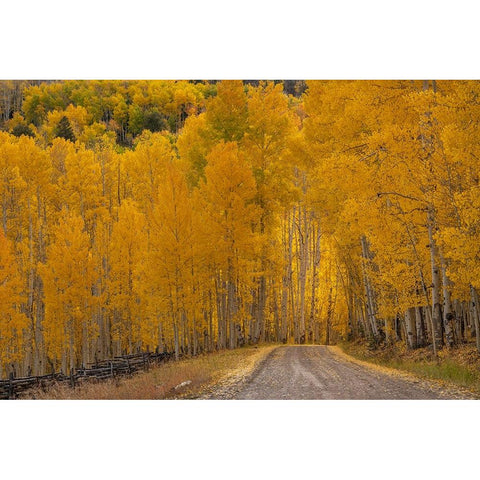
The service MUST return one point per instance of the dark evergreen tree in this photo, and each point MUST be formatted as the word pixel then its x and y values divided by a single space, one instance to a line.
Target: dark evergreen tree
pixel 154 121
pixel 21 129
pixel 64 130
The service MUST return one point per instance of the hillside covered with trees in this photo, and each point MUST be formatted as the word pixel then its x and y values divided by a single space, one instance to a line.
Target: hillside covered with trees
pixel 190 216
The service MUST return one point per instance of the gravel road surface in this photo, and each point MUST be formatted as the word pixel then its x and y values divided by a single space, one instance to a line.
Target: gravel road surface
pixel 321 372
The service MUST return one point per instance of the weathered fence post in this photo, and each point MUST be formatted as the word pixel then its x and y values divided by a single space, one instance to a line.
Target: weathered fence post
pixel 107 368
pixel 11 393
pixel 145 363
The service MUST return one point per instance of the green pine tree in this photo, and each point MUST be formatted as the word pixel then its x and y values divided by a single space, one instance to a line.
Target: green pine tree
pixel 21 129
pixel 64 130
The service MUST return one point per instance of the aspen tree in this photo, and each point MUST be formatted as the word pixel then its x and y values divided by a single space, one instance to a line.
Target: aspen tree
pixel 271 124
pixel 13 323
pixel 227 238
pixel 169 269
pixel 32 200
pixel 226 113
pixel 143 169
pixel 68 277
pixel 126 255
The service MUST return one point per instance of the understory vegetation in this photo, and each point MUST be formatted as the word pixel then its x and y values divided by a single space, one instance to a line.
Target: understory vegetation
pixel 185 378
pixel 458 366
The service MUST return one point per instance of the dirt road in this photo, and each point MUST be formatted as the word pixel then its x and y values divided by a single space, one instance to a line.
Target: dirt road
pixel 321 372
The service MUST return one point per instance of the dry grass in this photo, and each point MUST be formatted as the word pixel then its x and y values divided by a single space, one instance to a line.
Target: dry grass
pixel 459 366
pixel 159 383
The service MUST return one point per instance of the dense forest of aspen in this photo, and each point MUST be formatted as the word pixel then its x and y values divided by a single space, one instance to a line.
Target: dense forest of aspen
pixel 191 216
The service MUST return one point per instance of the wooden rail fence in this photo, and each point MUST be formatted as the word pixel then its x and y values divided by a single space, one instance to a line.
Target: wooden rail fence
pixel 117 366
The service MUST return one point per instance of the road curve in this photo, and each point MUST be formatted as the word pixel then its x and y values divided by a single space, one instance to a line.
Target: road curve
pixel 320 372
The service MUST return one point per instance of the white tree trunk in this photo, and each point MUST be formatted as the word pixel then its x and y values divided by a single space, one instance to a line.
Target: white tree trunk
pixel 448 313
pixel 475 314
pixel 371 314
pixel 436 306
pixel 411 328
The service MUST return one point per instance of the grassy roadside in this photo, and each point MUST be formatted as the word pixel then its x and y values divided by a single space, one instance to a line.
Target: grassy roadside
pixel 186 378
pixel 459 366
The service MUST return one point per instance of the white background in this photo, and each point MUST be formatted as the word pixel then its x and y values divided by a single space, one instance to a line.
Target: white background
pixel 298 39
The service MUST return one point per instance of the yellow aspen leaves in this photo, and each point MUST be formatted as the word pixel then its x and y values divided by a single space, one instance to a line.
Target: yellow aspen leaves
pixel 13 322
pixel 68 278
pixel 192 216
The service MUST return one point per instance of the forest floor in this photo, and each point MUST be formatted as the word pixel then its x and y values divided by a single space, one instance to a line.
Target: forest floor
pixel 326 372
pixel 458 366
pixel 186 378
pixel 294 373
